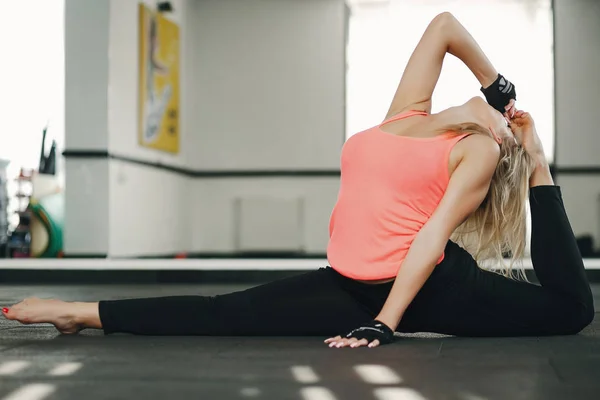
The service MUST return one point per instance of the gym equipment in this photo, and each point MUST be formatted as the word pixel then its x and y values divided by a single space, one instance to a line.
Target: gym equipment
pixel 47 225
pixel 3 207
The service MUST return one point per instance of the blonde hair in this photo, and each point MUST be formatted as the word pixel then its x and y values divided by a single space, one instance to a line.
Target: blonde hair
pixel 498 227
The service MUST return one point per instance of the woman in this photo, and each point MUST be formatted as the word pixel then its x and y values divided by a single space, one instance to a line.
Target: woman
pixel 407 187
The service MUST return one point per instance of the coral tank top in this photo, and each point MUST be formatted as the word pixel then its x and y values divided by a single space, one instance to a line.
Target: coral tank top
pixel 390 186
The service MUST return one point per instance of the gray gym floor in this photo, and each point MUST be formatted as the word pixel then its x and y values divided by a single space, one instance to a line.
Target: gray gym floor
pixel 37 363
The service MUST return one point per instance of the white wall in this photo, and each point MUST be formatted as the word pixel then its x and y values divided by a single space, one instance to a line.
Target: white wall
pixel 262 86
pixel 268 81
pixel 86 126
pixel 111 207
pixel 147 212
pixel 267 94
pixel 86 74
pixel 581 195
pixel 577 26
pixel 86 206
pixel 220 226
pixel 577 46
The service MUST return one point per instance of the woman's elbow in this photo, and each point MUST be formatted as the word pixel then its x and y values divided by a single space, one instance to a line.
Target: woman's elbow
pixel 443 19
pixel 442 26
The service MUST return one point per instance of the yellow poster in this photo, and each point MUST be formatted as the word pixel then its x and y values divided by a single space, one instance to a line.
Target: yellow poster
pixel 158 119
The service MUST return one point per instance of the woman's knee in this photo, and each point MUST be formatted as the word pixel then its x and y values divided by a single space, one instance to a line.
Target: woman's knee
pixel 580 315
pixel 587 313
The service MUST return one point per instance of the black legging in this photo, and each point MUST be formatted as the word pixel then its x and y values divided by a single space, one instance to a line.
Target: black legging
pixel 458 299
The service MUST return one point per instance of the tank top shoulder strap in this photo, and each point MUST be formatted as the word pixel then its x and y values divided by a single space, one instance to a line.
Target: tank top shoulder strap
pixel 402 115
pixel 453 139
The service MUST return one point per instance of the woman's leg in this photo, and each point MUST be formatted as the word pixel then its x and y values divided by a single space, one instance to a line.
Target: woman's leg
pixel 309 304
pixel 461 299
pixel 313 303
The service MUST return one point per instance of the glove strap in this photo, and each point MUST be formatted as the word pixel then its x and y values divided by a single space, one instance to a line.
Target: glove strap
pixel 373 330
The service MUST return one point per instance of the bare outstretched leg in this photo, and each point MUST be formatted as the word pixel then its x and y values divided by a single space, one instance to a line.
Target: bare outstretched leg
pixel 68 318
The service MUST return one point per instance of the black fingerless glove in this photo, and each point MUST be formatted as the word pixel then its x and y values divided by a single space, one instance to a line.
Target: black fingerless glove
pixel 373 330
pixel 500 93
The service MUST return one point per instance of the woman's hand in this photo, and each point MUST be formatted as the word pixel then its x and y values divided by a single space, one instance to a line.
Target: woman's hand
pixel 523 128
pixel 338 342
pixel 511 109
pixel 371 334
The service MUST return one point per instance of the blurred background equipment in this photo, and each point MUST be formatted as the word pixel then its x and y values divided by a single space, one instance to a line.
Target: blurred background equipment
pixel 34 205
pixel 164 6
pixel 46 207
pixel 19 243
pixel 3 207
pixel 47 162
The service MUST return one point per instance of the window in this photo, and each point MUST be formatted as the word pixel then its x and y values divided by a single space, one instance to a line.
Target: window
pixel 33 85
pixel 33 72
pixel 515 34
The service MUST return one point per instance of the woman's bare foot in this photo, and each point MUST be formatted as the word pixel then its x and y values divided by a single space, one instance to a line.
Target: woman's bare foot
pixel 68 318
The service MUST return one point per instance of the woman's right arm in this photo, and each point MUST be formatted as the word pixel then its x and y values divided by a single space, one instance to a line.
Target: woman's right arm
pixel 445 34
pixel 523 128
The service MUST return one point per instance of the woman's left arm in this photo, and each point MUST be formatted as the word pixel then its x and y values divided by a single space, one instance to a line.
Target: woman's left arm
pixel 466 190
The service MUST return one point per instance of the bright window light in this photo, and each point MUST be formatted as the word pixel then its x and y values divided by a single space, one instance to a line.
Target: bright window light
pixel 516 35
pixel 33 86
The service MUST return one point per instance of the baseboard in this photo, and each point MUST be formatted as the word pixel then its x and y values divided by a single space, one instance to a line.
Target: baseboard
pixel 52 277
pixel 84 255
pixel 209 255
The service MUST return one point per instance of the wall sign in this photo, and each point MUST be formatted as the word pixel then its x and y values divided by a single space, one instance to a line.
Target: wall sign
pixel 159 60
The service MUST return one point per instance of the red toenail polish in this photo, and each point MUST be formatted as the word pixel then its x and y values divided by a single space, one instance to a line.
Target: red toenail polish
pixel 5 310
